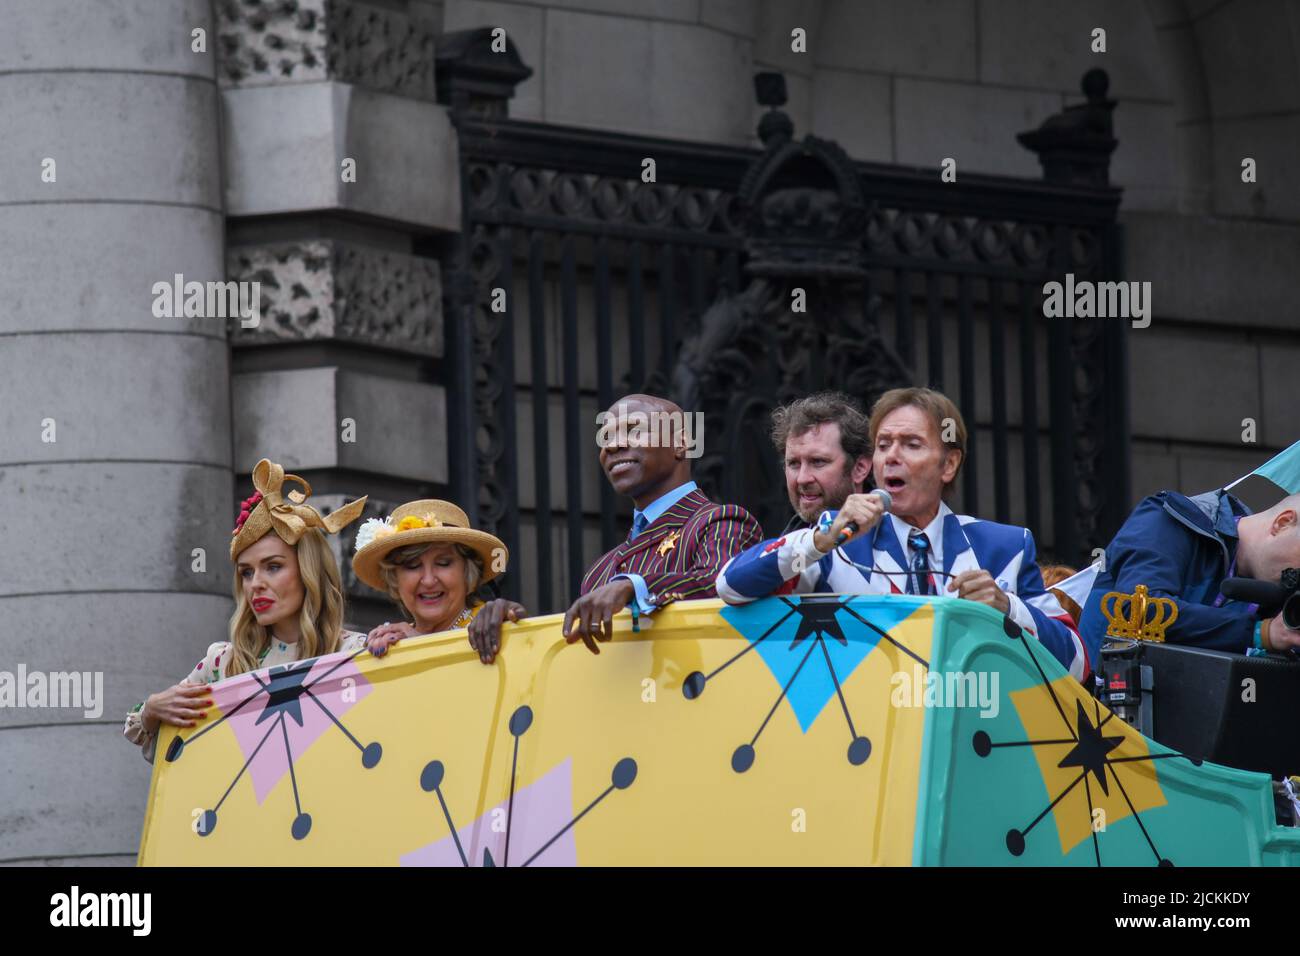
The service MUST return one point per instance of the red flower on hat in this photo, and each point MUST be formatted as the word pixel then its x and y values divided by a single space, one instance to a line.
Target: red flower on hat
pixel 245 509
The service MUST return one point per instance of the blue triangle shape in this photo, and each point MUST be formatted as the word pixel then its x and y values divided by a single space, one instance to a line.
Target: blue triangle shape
pixel 780 619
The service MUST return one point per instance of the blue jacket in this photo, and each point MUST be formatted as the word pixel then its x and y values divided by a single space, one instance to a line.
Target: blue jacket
pixel 1180 548
pixel 874 563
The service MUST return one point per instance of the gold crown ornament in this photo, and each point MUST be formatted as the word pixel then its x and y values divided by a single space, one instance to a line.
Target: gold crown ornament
pixel 1138 616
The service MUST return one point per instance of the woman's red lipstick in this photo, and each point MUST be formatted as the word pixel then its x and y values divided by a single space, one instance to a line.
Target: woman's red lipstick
pixel 262 604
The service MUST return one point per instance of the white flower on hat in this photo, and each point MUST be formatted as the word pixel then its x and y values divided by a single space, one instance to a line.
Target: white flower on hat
pixel 371 529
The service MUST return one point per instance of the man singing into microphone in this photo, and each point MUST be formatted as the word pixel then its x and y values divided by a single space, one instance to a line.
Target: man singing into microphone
pixel 1183 548
pixel 912 543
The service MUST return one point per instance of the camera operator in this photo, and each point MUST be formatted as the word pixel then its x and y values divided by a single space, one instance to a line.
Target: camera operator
pixel 1183 548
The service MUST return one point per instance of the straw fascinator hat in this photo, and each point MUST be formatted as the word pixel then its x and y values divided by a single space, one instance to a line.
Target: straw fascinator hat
pixel 428 521
pixel 268 510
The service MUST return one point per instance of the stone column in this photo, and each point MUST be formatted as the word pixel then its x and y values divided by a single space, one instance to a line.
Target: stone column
pixel 114 425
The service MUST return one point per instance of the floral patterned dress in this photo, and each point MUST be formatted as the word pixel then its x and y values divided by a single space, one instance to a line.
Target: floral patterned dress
pixel 212 669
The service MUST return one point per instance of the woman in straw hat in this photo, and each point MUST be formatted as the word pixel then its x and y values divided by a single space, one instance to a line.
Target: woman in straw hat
pixel 427 558
pixel 288 601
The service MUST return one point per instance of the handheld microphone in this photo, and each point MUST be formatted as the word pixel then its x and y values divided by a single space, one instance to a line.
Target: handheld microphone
pixel 851 528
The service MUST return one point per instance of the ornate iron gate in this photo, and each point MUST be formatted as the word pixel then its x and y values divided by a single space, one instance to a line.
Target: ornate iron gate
pixel 683 286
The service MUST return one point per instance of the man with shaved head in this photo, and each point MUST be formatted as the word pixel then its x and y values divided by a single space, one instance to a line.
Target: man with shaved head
pixel 679 538
pixel 1182 548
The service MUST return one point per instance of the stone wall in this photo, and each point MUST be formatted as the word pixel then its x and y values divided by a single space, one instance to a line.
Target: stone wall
pixel 653 61
pixel 1223 343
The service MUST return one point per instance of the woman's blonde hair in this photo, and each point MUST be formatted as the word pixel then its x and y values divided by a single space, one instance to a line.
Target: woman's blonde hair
pixel 390 562
pixel 320 621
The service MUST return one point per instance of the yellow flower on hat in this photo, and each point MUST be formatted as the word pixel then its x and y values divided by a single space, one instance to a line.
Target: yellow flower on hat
pixel 412 522
pixel 424 521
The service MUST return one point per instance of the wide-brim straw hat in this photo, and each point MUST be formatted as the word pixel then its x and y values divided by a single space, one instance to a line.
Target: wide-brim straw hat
pixel 427 521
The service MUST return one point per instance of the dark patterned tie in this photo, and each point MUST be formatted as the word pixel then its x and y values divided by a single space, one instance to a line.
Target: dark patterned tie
pixel 918 582
pixel 638 525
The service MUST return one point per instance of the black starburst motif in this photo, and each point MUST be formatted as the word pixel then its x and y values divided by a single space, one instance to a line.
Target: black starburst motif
pixel 284 691
pixel 622 777
pixel 1090 751
pixel 285 688
pixel 818 620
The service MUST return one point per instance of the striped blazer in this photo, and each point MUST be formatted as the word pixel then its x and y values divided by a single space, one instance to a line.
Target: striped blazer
pixel 681 552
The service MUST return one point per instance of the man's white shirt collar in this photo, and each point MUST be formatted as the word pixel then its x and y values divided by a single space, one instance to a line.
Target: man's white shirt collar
pixel 933 531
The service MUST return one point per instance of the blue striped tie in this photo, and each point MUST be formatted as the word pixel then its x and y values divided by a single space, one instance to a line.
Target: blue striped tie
pixel 638 525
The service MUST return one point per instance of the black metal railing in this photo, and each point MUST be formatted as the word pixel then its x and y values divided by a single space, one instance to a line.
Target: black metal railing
pixel 613 284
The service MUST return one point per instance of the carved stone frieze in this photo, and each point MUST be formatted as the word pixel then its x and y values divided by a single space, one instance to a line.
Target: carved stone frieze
pixel 274 41
pixel 328 289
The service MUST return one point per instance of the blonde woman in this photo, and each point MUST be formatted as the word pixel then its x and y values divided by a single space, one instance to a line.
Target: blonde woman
pixel 427 558
pixel 288 601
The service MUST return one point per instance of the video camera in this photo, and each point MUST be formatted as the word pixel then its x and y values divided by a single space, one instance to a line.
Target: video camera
pixel 1273 599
